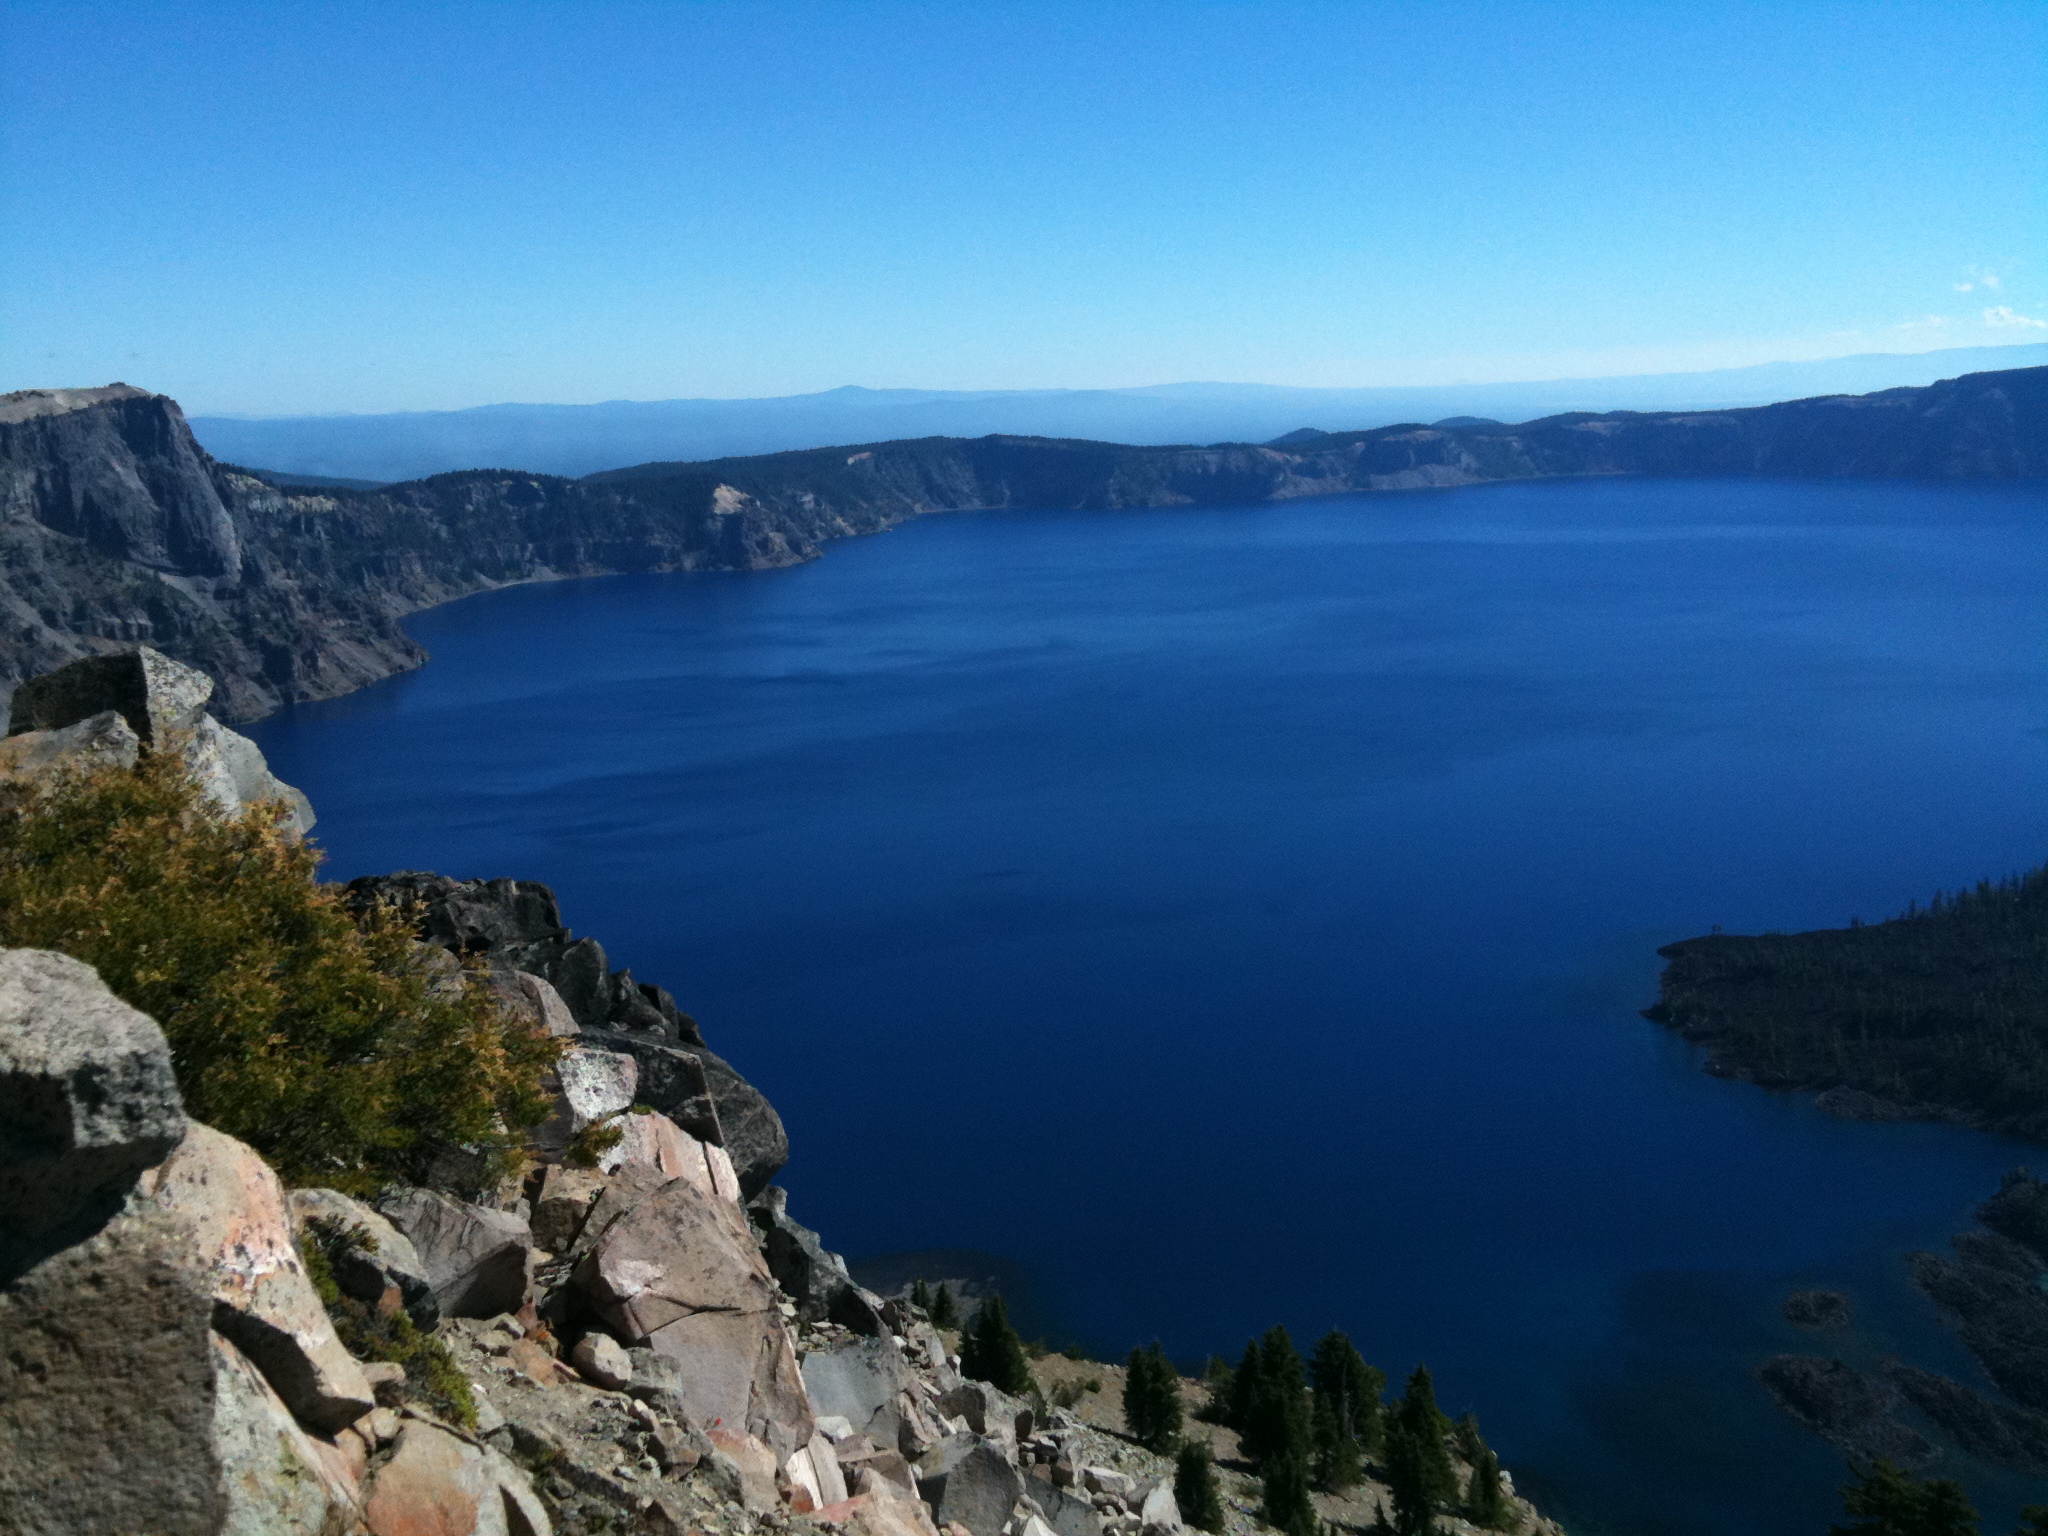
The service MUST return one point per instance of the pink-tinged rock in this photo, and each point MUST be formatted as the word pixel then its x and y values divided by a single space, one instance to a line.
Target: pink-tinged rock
pixel 264 1301
pixel 439 1484
pixel 653 1143
pixel 677 1272
pixel 533 1001
pixel 756 1462
pixel 602 1361
pixel 884 1510
pixel 814 1473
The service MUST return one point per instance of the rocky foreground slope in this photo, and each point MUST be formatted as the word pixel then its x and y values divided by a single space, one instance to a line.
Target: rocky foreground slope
pixel 624 1331
pixel 117 529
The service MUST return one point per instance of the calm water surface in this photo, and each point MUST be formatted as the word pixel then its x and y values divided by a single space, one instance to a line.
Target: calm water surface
pixel 1241 915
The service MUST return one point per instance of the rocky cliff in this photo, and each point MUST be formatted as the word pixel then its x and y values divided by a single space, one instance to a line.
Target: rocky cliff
pixel 117 529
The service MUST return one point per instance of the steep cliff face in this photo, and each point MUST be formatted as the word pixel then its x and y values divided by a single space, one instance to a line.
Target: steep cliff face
pixel 116 528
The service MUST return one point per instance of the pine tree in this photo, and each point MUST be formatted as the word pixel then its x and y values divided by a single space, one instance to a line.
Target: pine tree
pixel 1408 1479
pixel 1288 1507
pixel 991 1351
pixel 1352 1388
pixel 1465 1435
pixel 1427 1427
pixel 1194 1488
pixel 1276 1417
pixel 2033 1521
pixel 1339 1461
pixel 1486 1503
pixel 944 1314
pixel 1220 1380
pixel 921 1298
pixel 1152 1398
pixel 1244 1388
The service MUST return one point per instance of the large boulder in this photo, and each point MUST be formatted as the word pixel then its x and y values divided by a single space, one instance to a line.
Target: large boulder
pixel 590 1086
pixel 107 1388
pixel 860 1383
pixel 379 1259
pixel 153 693
pixel 264 1303
pixel 108 708
pixel 438 1483
pixel 969 1481
pixel 754 1134
pixel 677 1271
pixel 98 740
pixel 672 1079
pixel 88 1099
pixel 475 1258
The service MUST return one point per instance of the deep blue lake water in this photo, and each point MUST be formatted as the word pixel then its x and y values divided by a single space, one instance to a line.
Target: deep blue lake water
pixel 1240 916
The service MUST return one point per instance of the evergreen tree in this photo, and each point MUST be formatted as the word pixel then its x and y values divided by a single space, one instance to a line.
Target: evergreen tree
pixel 1339 1462
pixel 1350 1387
pixel 1194 1488
pixel 943 1313
pixel 1152 1398
pixel 1427 1427
pixel 1288 1507
pixel 991 1351
pixel 1486 1502
pixel 1220 1380
pixel 1276 1415
pixel 921 1298
pixel 1408 1479
pixel 1244 1388
pixel 1465 1435
pixel 2033 1521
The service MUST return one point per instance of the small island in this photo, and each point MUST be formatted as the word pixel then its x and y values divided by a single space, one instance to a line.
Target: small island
pixel 1938 1014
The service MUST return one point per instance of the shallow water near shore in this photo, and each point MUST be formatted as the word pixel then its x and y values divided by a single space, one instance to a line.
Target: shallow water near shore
pixel 1240 916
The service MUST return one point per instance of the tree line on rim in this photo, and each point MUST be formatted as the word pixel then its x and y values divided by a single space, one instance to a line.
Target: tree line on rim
pixel 1304 1425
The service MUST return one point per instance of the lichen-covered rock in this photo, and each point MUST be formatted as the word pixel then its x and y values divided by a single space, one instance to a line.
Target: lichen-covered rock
pixel 475 1258
pixel 105 738
pixel 88 1099
pixel 264 1301
pixel 590 1086
pixel 969 1481
pixel 107 1388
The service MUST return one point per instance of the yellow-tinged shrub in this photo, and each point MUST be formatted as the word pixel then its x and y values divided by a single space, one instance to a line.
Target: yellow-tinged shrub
pixel 319 1040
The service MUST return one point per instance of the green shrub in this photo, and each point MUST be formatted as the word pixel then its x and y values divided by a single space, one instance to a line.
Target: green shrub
pixel 322 1042
pixel 588 1146
pixel 431 1373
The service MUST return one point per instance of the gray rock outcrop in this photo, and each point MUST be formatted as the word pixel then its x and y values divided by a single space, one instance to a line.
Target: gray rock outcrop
pixel 88 1099
pixel 475 1258
pixel 813 1277
pixel 111 707
pixel 516 926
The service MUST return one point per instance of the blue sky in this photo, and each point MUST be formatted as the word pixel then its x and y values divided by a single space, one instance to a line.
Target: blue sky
pixel 362 207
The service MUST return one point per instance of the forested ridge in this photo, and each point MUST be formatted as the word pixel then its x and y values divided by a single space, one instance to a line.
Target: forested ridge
pixel 1939 1013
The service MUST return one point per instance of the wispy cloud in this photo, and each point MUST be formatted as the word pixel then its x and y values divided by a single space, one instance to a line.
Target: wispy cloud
pixel 2005 317
pixel 1978 278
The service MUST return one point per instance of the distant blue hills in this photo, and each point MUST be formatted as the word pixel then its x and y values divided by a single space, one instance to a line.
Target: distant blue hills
pixel 582 439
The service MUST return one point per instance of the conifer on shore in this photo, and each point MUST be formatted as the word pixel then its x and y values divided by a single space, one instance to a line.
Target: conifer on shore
pixel 991 1350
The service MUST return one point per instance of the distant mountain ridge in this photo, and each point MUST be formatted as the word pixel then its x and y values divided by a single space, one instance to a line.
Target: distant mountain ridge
pixel 581 439
pixel 119 529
